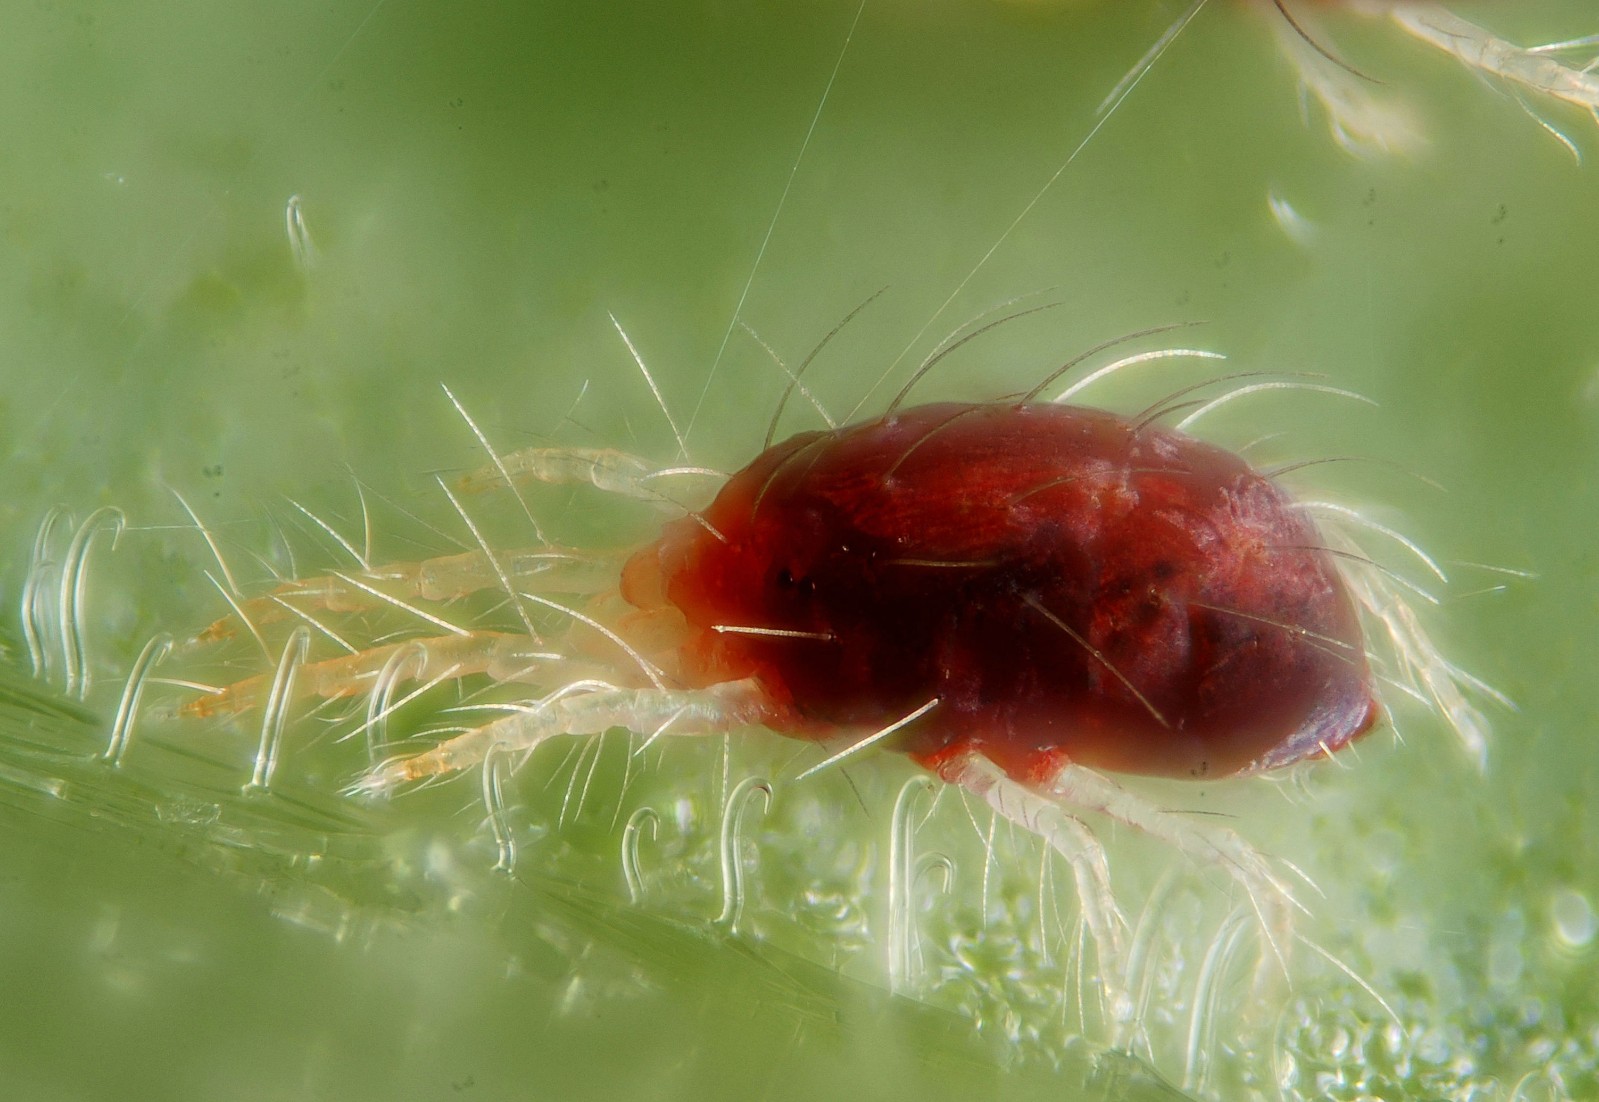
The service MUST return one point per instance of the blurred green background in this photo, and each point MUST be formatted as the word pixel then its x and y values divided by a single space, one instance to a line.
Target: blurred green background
pixel 484 187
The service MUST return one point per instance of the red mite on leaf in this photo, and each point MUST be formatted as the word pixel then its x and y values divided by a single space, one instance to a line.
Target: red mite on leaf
pixel 1015 594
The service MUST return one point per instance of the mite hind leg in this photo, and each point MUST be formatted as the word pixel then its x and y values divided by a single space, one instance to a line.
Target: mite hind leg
pixel 1044 809
pixel 582 708
pixel 1204 842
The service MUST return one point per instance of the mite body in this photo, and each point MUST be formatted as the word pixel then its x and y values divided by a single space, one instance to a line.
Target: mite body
pixel 1067 585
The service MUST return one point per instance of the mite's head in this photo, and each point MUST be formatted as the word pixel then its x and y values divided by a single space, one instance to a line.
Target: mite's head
pixel 736 579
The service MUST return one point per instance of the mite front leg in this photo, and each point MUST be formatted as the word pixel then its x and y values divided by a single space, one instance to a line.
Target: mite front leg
pixel 604 468
pixel 584 708
pixel 502 656
pixel 396 586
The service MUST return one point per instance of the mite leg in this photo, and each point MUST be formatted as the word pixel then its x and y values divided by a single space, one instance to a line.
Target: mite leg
pixel 502 656
pixel 1203 841
pixel 544 569
pixel 584 708
pixel 446 578
pixel 611 471
pixel 1045 817
pixel 1361 121
pixel 1536 68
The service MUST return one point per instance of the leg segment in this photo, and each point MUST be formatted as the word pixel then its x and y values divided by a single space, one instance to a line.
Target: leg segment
pixel 395 585
pixel 584 708
pixel 1536 69
pixel 544 569
pixel 1202 841
pixel 1361 121
pixel 1040 815
pixel 606 469
pixel 502 656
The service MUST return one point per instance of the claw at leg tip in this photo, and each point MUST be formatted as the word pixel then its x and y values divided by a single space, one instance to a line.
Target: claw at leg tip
pixel 380 781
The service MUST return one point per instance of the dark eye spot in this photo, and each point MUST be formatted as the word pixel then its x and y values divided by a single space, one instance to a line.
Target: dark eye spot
pixel 786 581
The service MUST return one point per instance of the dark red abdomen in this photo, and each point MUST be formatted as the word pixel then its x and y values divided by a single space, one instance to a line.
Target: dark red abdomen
pixel 1065 583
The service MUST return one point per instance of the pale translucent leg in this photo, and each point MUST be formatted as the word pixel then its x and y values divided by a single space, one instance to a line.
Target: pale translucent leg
pixel 1362 121
pixel 585 708
pixel 504 657
pixel 447 578
pixel 547 569
pixel 1536 69
pixel 1045 817
pixel 1202 840
pixel 611 471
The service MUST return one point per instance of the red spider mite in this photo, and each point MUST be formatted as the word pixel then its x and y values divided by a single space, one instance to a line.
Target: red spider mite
pixel 1037 585
pixel 1014 594
pixel 1066 584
